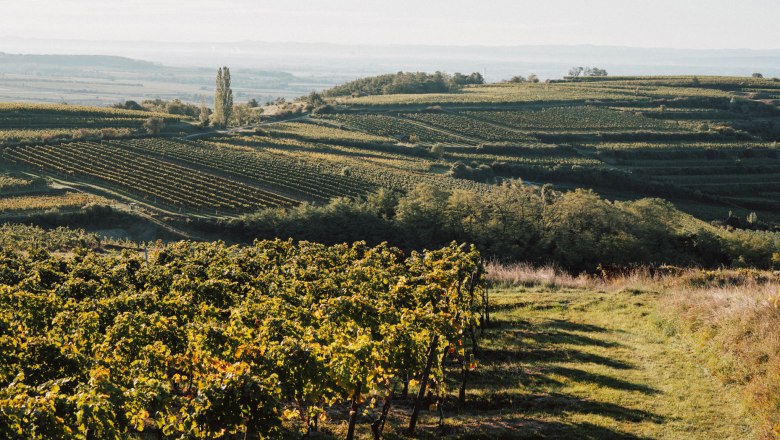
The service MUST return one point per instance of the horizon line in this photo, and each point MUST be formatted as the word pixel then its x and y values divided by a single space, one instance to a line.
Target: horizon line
pixel 329 43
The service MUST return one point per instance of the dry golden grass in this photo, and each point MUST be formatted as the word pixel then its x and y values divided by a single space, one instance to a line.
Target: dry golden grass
pixel 527 275
pixel 524 274
pixel 737 328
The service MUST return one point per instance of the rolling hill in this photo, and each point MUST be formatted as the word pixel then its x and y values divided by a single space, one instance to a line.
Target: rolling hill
pixel 708 144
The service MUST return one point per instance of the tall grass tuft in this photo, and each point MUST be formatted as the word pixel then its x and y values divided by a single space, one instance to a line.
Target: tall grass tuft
pixel 527 275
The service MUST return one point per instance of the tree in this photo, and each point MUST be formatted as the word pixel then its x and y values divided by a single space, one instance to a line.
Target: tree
pixel 518 79
pixel 223 98
pixel 177 107
pixel 203 117
pixel 586 71
pixel 476 78
pixel 597 72
pixel 154 125
pixel 459 78
pixel 219 101
pixel 242 115
pixel 129 105
pixel 757 75
pixel 314 99
pixel 533 78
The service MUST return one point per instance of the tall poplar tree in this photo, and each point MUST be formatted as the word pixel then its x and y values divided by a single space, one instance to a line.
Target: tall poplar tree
pixel 223 98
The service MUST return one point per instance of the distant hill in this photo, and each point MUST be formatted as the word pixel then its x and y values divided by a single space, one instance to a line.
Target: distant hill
pixel 11 63
pixel 106 79
pixel 353 61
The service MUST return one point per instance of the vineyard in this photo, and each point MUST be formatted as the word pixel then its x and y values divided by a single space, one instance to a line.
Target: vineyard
pixel 305 179
pixel 38 123
pixel 388 126
pixel 282 340
pixel 588 118
pixel 13 110
pixel 320 133
pixel 708 144
pixel 554 93
pixel 12 205
pixel 15 183
pixel 469 127
pixel 207 341
pixel 628 136
pixel 158 181
pixel 23 238
pixel 228 175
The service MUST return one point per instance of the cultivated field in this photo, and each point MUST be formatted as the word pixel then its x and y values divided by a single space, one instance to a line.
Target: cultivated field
pixel 708 144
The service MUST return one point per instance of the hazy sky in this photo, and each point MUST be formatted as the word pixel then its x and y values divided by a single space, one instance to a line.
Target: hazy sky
pixel 697 24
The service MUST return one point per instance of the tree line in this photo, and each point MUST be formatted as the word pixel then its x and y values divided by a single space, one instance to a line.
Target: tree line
pixel 405 83
pixel 225 112
pixel 576 230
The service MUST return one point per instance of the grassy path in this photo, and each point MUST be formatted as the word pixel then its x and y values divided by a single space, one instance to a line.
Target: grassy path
pixel 590 365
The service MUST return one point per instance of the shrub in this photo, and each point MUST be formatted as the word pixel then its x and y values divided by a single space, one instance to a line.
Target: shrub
pixel 154 125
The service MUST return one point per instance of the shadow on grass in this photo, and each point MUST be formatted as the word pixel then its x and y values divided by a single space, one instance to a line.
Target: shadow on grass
pixel 523 428
pixel 529 305
pixel 598 379
pixel 554 404
pixel 549 355
pixel 557 324
pixel 561 403
pixel 525 417
pixel 561 324
pixel 523 377
pixel 564 337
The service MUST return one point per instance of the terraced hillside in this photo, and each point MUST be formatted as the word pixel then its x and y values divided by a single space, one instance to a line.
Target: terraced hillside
pixel 708 144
